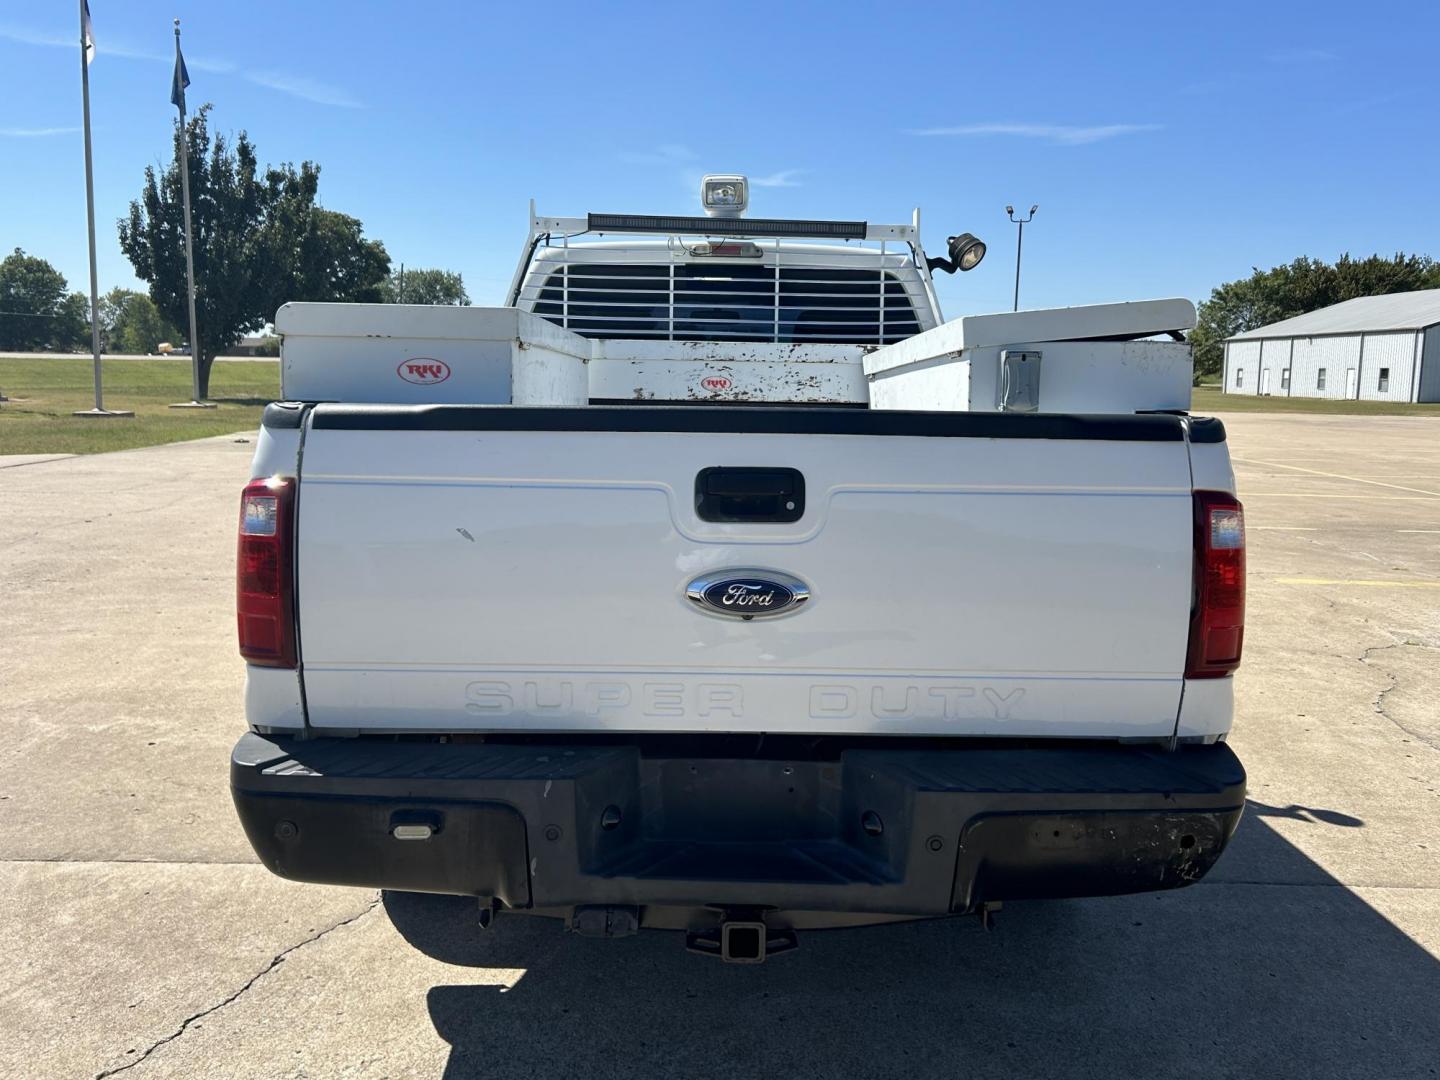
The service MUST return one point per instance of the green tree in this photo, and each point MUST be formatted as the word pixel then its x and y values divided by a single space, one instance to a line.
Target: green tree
pixel 411 286
pixel 1306 284
pixel 33 304
pixel 228 199
pixel 261 239
pixel 313 253
pixel 72 324
pixel 336 262
pixel 131 323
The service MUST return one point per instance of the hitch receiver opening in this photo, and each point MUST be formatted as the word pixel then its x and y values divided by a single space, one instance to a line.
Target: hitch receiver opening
pixel 740 941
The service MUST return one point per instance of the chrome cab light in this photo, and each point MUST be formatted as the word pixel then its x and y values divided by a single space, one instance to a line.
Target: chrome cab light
pixel 724 195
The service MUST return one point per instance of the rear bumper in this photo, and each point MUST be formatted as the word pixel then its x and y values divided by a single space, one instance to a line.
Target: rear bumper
pixel 873 835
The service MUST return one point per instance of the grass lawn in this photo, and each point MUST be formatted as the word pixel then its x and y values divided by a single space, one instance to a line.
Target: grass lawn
pixel 44 392
pixel 1208 399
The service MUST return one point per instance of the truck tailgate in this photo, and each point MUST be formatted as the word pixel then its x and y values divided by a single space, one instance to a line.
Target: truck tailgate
pixel 485 569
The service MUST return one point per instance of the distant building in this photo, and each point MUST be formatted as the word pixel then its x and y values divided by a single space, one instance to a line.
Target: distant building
pixel 1373 348
pixel 255 345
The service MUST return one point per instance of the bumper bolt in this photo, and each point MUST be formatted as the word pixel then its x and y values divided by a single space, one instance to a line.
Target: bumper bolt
pixel 286 830
pixel 552 833
pixel 935 843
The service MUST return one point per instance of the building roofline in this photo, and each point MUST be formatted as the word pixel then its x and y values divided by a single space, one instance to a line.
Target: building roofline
pixel 1332 333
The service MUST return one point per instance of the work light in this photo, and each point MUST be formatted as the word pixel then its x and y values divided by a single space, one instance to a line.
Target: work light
pixel 724 196
pixel 966 250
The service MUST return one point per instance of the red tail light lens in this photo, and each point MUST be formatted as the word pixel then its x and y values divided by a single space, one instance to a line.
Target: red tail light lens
pixel 1217 617
pixel 264 587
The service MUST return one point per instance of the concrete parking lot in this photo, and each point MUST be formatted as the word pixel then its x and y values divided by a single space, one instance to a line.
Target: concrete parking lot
pixel 142 938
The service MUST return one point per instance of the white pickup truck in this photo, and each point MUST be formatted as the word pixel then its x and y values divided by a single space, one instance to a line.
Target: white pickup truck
pixel 716 583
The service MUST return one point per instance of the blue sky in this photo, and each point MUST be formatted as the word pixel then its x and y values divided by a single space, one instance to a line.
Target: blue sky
pixel 1170 146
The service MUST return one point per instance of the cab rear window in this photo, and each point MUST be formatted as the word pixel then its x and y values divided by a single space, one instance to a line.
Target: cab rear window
pixel 728 302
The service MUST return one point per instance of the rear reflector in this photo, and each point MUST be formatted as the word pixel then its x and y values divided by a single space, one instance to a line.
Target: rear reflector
pixel 264 588
pixel 1217 616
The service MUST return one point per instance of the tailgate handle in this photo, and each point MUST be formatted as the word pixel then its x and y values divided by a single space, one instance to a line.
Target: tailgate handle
pixel 746 493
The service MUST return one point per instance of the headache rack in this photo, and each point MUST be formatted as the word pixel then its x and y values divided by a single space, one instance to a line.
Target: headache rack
pixel 727 279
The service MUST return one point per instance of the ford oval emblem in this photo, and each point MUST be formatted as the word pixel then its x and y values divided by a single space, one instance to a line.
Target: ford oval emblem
pixel 748 594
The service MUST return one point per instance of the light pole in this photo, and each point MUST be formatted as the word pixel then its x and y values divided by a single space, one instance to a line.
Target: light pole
pixel 1019 243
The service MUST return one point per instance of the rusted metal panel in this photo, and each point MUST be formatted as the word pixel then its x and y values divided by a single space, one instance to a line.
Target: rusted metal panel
pixel 719 380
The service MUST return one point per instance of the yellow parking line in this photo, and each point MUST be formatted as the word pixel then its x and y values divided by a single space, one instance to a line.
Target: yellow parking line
pixel 1368 584
pixel 1248 494
pixel 1336 476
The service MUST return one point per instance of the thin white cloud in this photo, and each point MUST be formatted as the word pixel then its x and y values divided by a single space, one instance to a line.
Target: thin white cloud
pixel 1301 56
pixel 1061 134
pixel 111 49
pixel 1374 102
pixel 23 36
pixel 36 133
pixel 1213 85
pixel 302 87
pixel 208 63
pixel 665 154
pixel 783 178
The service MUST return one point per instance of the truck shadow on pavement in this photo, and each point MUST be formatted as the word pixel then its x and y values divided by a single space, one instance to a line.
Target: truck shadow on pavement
pixel 1270 968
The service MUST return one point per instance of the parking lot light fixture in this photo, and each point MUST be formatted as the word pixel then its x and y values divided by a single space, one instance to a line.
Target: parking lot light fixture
pixel 1019 243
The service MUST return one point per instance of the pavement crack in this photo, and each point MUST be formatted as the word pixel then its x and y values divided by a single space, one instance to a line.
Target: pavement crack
pixel 275 961
pixel 1379 702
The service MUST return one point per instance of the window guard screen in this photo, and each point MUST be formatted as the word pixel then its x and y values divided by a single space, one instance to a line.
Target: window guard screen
pixel 727 301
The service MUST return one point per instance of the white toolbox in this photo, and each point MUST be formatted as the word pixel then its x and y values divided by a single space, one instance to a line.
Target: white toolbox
pixel 1070 360
pixel 418 354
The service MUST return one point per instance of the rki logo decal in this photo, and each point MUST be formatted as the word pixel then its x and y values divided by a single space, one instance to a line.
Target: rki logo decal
pixel 423 370
pixel 716 382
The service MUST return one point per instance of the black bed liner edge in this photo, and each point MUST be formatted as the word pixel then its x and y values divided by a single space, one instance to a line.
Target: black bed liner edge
pixel 776 421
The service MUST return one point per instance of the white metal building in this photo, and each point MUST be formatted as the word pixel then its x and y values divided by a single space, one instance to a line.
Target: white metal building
pixel 1373 348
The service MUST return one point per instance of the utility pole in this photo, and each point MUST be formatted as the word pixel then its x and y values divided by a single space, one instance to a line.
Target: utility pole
pixel 1019 243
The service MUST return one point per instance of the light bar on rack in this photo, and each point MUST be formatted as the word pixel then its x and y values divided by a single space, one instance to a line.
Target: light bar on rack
pixel 709 226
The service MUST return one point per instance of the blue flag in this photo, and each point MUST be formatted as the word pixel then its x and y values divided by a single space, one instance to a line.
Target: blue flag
pixel 181 79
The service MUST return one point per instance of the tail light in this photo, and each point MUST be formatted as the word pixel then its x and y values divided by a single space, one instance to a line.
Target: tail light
pixel 1217 618
pixel 264 587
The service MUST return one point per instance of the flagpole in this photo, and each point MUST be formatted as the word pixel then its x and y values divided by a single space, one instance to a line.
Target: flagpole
pixel 194 401
pixel 99 409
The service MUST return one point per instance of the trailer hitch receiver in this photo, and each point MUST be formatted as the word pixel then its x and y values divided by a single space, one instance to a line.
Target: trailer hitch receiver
pixel 741 941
